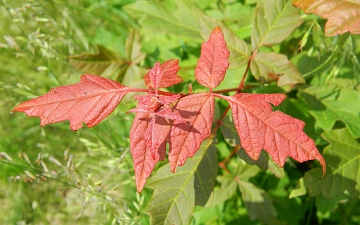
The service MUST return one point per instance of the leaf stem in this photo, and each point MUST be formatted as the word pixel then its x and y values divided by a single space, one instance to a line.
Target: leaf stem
pixel 223 163
pixel 242 83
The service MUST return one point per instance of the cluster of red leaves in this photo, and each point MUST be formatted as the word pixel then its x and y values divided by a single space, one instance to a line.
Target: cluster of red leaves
pixel 180 121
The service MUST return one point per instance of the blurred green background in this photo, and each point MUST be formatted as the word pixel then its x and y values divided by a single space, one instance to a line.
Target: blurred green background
pixel 91 172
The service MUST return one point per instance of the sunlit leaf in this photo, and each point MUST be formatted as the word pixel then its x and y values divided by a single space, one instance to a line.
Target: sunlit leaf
pixel 90 101
pixel 161 16
pixel 273 66
pixel 186 138
pixel 277 133
pixel 104 63
pixel 213 62
pixel 343 15
pixel 239 51
pixel 274 20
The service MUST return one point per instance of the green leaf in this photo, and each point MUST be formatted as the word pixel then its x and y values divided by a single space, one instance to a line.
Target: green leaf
pixel 272 66
pixel 225 191
pixel 299 190
pixel 239 51
pixel 330 103
pixel 176 194
pixel 133 48
pixel 177 17
pixel 274 20
pixel 104 63
pixel 229 131
pixel 258 203
pixel 264 162
pixel 325 207
pixel 342 159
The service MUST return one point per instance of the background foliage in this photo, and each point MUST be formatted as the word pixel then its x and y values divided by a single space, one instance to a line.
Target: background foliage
pixel 52 175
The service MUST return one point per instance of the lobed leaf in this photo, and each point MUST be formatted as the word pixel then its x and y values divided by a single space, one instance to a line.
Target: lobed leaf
pixel 164 76
pixel 231 136
pixel 176 194
pixel 271 66
pixel 186 138
pixel 213 62
pixel 274 20
pixel 90 101
pixel 275 132
pixel 343 15
pixel 342 157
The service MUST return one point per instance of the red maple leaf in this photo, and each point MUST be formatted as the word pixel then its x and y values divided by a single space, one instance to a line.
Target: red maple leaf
pixel 90 101
pixel 144 156
pixel 164 75
pixel 185 138
pixel 275 132
pixel 213 61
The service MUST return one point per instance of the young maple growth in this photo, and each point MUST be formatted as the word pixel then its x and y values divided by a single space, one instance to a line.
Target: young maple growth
pixel 180 121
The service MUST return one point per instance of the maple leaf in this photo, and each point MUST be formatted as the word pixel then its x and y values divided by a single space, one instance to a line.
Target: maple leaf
pixel 275 132
pixel 185 138
pixel 163 75
pixel 213 61
pixel 145 155
pixel 184 133
pixel 90 101
pixel 343 15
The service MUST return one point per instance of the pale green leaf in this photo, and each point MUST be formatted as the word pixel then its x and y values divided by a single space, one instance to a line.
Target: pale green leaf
pixel 176 194
pixel 133 48
pixel 273 66
pixel 330 103
pixel 274 20
pixel 104 63
pixel 239 51
pixel 299 190
pixel 258 203
pixel 177 17
pixel 342 158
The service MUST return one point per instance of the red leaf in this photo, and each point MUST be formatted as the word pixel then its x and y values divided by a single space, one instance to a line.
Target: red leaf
pixel 185 138
pixel 275 132
pixel 213 61
pixel 343 15
pixel 91 100
pixel 145 155
pixel 163 75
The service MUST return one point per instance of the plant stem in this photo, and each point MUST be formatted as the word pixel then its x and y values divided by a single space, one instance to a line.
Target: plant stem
pixel 242 83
